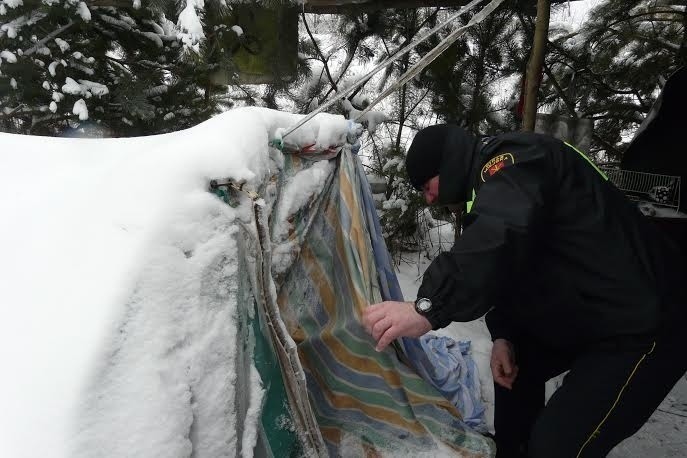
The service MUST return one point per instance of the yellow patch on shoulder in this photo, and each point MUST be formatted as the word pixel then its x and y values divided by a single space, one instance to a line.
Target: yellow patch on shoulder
pixel 495 164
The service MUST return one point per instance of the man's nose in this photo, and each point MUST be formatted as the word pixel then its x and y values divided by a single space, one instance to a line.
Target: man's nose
pixel 429 197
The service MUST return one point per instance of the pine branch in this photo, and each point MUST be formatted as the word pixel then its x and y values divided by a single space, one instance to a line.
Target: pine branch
pixel 22 113
pixel 12 111
pixel 110 3
pixel 319 52
pixel 48 37
pixel 140 63
pixel 663 43
pixel 648 13
pixel 417 104
pixel 314 96
pixel 614 115
pixel 585 68
pixel 386 48
pixel 609 147
pixel 344 68
pixel 559 90
pixel 402 115
pixel 49 117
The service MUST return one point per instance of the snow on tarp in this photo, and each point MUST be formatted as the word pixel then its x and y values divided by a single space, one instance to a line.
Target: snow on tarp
pixel 130 295
pixel 117 329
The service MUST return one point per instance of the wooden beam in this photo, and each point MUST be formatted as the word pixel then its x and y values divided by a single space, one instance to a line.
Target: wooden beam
pixel 367 6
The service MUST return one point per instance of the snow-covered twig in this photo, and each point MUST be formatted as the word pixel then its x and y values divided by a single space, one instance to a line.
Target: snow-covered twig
pixel 319 52
pixel 36 120
pixel 650 13
pixel 141 63
pixel 47 38
pixel 10 112
pixel 561 93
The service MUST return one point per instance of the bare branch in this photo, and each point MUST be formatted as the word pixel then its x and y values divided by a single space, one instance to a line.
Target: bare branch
pixel 568 103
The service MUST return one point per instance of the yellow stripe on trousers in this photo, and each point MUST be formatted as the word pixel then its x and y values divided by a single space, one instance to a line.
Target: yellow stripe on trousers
pixel 617 399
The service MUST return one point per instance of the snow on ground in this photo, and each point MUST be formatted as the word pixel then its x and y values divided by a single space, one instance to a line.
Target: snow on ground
pixel 117 317
pixel 665 434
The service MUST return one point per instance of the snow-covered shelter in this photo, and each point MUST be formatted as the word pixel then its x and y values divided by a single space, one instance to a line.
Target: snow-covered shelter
pixel 199 294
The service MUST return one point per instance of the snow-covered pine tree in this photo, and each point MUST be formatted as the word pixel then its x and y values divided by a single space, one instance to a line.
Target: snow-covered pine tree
pixel 474 83
pixel 337 61
pixel 610 69
pixel 106 67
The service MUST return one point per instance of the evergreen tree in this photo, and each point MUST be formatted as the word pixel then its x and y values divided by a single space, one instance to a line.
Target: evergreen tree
pixel 473 82
pixel 610 69
pixel 365 40
pixel 110 70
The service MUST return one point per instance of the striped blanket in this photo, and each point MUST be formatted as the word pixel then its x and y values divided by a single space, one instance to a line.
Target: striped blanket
pixel 366 403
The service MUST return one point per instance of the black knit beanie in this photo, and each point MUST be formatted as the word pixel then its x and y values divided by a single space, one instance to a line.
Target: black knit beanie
pixel 446 150
pixel 424 155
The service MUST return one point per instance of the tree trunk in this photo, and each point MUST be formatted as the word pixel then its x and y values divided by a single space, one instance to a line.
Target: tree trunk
pixel 683 47
pixel 535 64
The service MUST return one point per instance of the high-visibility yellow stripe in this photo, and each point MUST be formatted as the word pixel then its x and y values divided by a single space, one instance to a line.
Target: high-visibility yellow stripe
pixel 588 160
pixel 597 430
pixel 468 204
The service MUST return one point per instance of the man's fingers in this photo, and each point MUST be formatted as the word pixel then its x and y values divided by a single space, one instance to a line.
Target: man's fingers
pixel 507 367
pixel 503 367
pixel 371 315
pixel 497 365
pixel 390 320
pixel 502 374
pixel 501 378
pixel 380 327
pixel 516 369
pixel 504 383
pixel 505 380
pixel 388 337
pixel 494 369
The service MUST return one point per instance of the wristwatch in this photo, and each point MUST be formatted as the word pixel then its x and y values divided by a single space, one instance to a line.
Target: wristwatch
pixel 423 305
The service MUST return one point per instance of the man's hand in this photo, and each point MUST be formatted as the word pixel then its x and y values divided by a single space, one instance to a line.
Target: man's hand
pixel 390 320
pixel 503 366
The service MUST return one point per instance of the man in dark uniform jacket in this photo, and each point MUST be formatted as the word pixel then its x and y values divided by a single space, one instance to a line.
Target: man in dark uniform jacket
pixel 572 278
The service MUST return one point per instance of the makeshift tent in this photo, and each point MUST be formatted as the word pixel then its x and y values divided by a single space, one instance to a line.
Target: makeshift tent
pixel 242 260
pixel 328 261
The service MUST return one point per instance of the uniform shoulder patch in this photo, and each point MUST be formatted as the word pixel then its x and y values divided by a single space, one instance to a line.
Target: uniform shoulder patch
pixel 495 164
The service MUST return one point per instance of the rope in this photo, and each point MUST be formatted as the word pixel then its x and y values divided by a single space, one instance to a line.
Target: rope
pixel 384 64
pixel 433 54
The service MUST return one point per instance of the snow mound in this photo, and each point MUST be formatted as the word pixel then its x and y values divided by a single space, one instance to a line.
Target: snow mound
pixel 118 290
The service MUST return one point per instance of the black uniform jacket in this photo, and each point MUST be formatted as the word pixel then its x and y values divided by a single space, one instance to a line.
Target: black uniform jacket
pixel 554 250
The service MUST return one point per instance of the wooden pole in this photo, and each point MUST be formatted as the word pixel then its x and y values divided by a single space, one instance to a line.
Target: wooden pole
pixel 535 64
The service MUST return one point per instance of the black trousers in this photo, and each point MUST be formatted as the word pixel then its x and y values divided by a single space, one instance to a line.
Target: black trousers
pixel 610 392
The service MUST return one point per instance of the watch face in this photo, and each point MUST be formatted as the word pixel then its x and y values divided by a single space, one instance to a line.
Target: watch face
pixel 424 305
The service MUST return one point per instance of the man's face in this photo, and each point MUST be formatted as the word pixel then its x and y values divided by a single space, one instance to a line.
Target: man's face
pixel 430 190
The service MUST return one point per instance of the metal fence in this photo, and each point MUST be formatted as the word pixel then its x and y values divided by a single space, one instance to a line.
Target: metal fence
pixel 661 190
